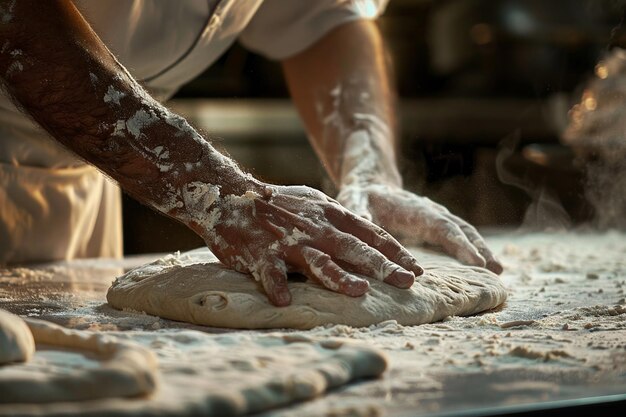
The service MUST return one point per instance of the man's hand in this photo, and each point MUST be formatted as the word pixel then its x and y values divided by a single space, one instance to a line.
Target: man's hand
pixel 279 229
pixel 415 220
pixel 63 75
pixel 342 90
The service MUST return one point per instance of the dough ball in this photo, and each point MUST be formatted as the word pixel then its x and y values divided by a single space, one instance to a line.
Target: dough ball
pixel 16 340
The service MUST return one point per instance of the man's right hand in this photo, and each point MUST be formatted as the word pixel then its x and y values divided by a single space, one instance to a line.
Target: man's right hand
pixel 278 229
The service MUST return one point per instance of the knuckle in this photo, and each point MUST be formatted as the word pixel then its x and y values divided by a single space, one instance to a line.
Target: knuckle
pixel 315 258
pixel 471 229
pixel 455 238
pixel 443 226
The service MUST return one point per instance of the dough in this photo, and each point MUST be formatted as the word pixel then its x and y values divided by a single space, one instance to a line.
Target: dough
pixel 230 374
pixel 194 288
pixel 110 368
pixel 16 341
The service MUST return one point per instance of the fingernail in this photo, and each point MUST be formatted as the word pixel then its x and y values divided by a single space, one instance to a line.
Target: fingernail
pixel 281 298
pixel 357 288
pixel 417 269
pixel 472 258
pixel 495 266
pixel 413 265
pixel 401 278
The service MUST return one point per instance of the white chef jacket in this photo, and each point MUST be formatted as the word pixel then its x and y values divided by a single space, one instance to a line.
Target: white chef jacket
pixel 53 205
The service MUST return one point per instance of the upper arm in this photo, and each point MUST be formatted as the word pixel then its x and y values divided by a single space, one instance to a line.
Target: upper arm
pixel 283 28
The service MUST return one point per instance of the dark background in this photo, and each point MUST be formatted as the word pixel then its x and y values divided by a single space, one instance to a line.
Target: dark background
pixel 484 87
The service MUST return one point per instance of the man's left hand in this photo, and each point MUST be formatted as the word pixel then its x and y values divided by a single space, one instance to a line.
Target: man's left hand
pixel 414 219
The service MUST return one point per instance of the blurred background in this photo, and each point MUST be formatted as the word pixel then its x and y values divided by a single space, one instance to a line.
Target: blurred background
pixel 484 92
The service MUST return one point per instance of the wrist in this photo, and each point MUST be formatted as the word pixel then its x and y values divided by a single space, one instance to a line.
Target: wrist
pixel 194 177
pixel 368 159
pixel 202 206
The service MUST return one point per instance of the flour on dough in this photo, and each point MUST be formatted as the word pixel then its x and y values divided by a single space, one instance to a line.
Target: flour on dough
pixel 95 366
pixel 195 288
pixel 16 341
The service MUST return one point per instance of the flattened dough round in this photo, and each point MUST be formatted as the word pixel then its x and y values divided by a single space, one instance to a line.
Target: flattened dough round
pixel 195 288
pixel 16 340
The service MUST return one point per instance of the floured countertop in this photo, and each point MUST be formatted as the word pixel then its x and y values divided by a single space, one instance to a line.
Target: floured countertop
pixel 560 335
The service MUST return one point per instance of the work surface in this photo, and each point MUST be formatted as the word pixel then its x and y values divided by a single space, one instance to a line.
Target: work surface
pixel 560 335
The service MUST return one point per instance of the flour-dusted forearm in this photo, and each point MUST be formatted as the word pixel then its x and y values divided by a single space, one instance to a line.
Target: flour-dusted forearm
pixel 58 71
pixel 342 89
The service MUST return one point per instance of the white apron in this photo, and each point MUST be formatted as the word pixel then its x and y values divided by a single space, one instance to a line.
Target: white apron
pixel 54 206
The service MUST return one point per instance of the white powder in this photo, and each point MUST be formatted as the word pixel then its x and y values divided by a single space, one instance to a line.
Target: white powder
pixel 178 122
pixel 316 261
pixel 191 166
pixel 359 163
pixel 173 259
pixel 199 196
pixel 162 155
pixel 120 127
pixel 211 219
pixel 373 122
pixel 113 96
pixel 295 237
pixel 251 195
pixel 140 120
pixel 165 167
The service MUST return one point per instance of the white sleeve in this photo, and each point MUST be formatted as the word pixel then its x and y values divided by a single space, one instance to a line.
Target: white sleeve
pixel 282 28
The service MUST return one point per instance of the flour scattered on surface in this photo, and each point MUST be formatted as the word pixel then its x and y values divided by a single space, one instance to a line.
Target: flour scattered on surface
pixel 562 342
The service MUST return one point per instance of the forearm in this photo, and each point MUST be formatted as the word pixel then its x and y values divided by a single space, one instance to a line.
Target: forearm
pixel 341 88
pixel 56 68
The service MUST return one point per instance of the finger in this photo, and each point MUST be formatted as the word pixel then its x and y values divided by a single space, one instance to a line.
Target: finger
pixel 273 277
pixel 358 257
pixel 375 237
pixel 493 264
pixel 449 236
pixel 319 266
pixel 477 240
